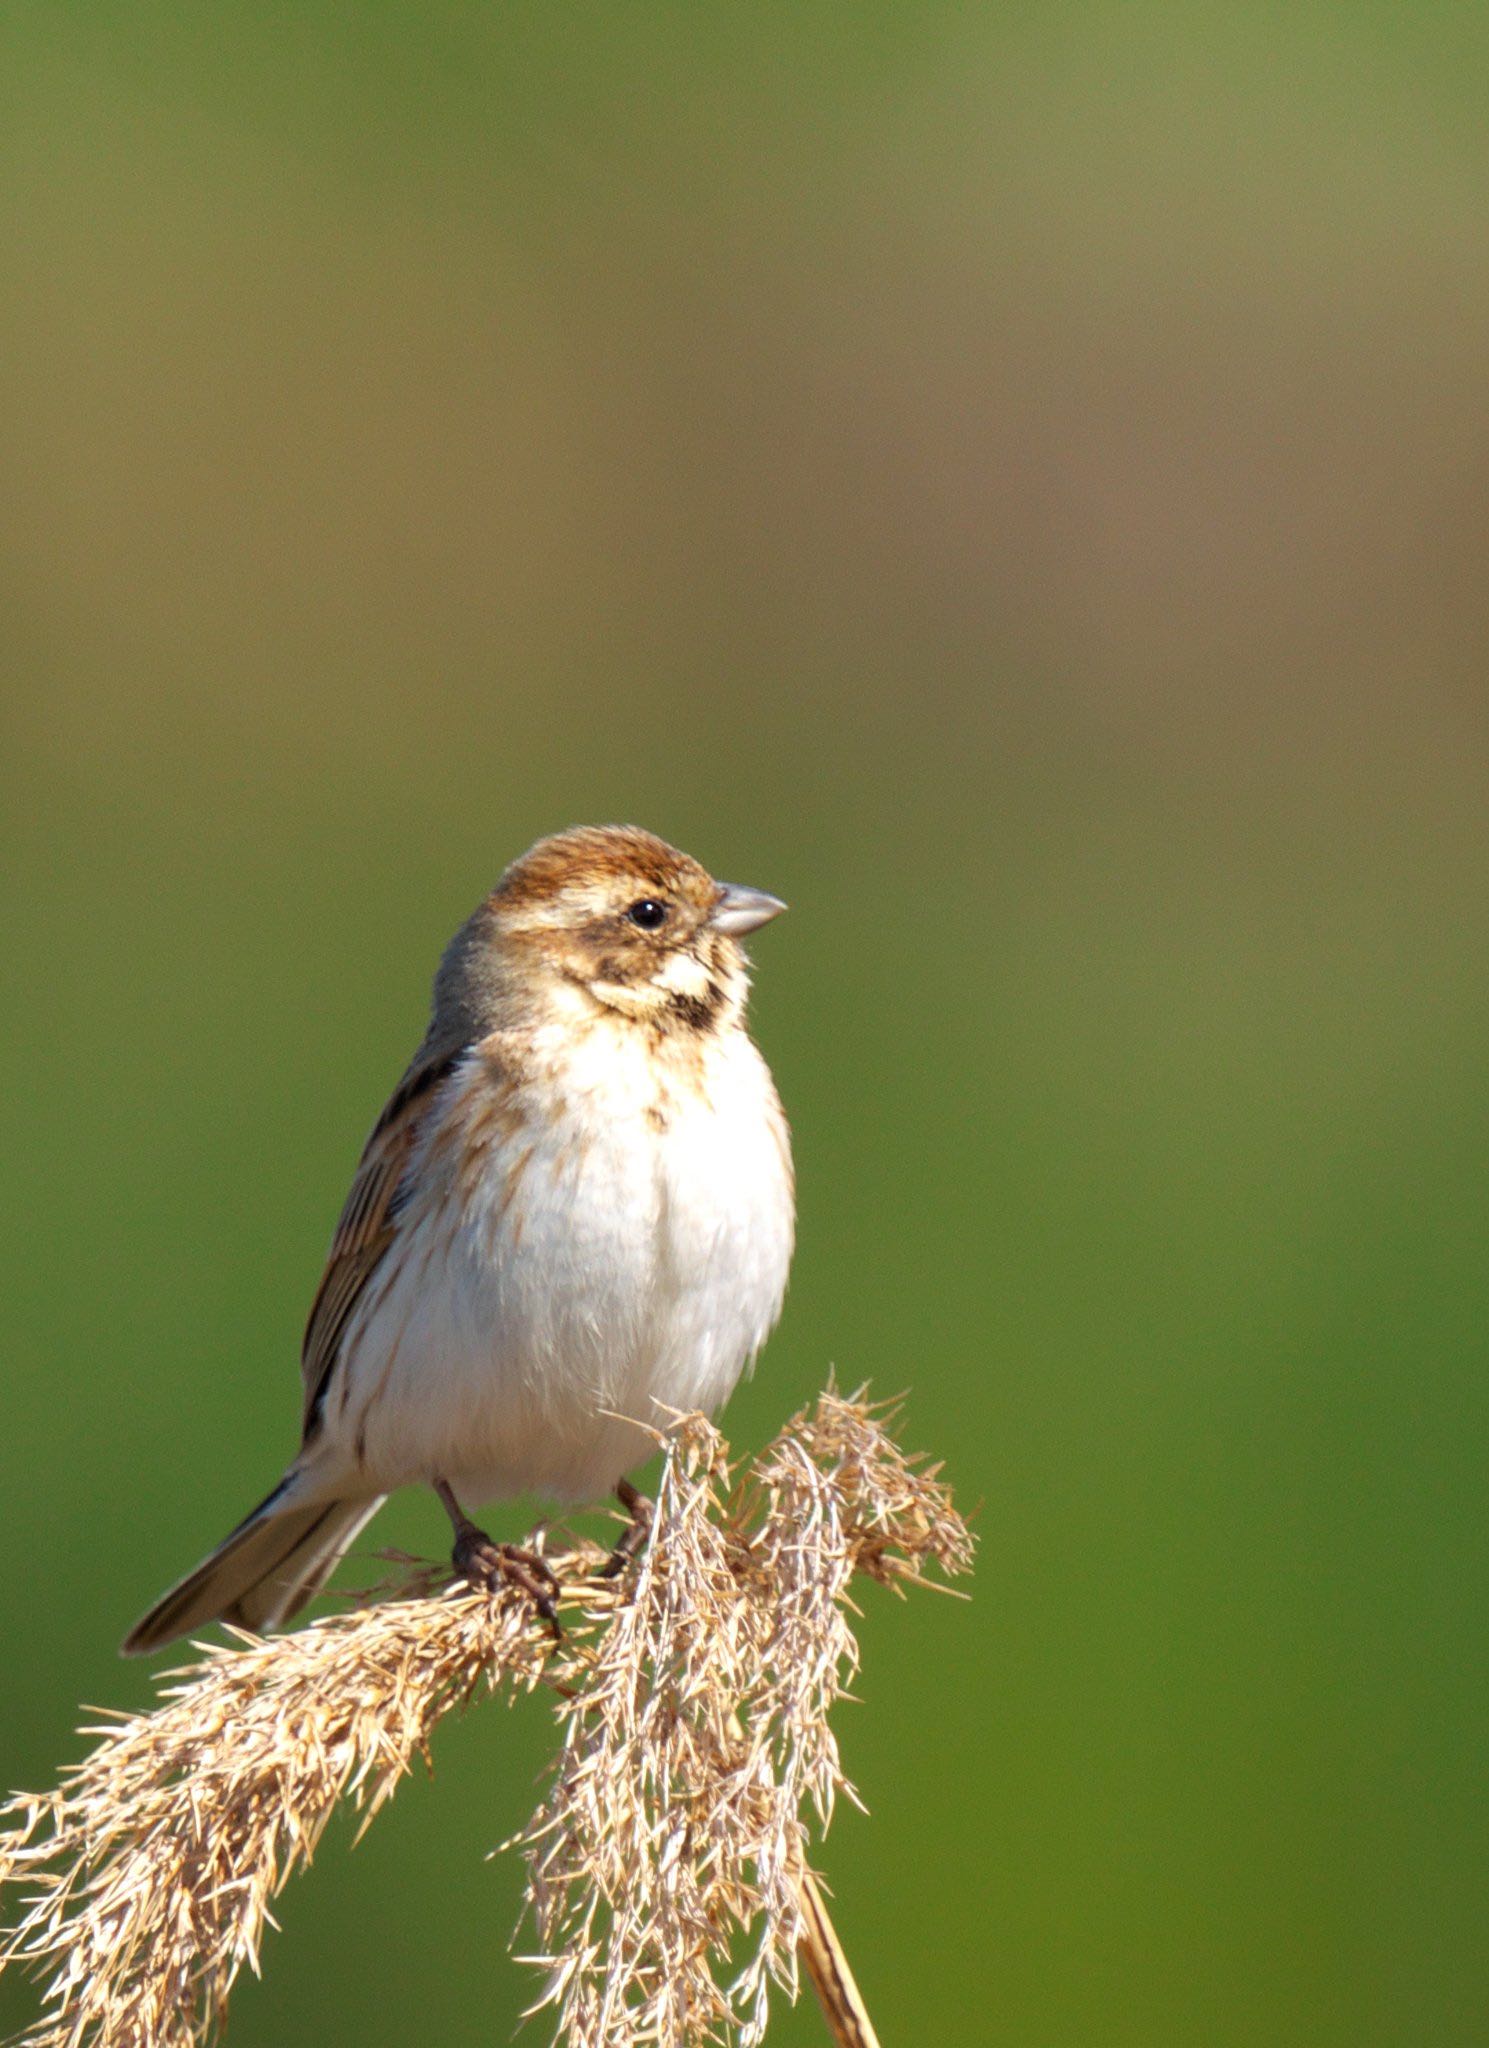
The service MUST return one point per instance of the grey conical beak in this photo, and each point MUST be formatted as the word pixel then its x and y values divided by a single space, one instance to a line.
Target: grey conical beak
pixel 743 910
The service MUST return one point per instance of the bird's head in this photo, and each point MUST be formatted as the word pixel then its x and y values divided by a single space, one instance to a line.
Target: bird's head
pixel 616 919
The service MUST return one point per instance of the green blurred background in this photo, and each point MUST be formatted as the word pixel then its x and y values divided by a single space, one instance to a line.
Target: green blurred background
pixel 1013 480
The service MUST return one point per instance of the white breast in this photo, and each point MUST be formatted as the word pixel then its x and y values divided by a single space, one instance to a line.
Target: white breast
pixel 616 1253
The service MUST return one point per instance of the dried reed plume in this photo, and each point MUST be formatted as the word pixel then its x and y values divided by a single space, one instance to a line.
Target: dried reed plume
pixel 696 1755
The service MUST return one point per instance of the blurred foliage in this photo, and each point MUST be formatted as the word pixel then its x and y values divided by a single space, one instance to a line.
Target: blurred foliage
pixel 1013 480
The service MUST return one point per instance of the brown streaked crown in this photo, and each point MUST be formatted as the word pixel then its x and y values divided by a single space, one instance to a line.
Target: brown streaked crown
pixel 596 857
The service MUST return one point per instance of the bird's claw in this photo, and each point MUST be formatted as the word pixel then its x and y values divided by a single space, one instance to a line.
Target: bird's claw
pixel 633 1539
pixel 487 1565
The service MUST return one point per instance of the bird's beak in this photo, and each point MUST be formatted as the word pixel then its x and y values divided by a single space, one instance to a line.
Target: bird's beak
pixel 743 910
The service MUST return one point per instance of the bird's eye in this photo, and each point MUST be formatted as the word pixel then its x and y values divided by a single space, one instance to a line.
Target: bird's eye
pixel 648 913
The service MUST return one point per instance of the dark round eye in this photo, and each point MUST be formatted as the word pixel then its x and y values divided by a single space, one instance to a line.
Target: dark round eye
pixel 648 913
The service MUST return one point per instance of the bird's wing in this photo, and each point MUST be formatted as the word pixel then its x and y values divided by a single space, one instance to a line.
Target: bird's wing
pixel 368 1224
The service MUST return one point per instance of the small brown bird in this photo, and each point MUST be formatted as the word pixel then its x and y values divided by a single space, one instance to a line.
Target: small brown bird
pixel 573 1218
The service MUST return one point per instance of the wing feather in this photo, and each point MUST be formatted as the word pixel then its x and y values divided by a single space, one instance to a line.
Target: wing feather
pixel 369 1223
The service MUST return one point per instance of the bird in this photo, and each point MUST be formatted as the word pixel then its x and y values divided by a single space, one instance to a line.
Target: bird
pixel 573 1220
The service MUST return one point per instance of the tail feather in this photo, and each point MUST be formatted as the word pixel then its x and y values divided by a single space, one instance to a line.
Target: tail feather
pixel 263 1573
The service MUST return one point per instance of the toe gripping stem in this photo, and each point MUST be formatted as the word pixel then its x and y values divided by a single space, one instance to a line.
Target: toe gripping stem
pixel 487 1565
pixel 633 1539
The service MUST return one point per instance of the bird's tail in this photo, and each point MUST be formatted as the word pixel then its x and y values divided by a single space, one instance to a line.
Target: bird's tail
pixel 273 1562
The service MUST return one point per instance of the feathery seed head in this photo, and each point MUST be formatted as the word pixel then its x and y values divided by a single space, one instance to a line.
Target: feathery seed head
pixel 668 1875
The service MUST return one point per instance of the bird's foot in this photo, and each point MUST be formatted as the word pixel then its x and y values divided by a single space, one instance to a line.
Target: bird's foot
pixel 633 1539
pixel 487 1565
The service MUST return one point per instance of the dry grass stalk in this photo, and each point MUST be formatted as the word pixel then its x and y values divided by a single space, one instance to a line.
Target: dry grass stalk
pixel 695 1747
pixel 833 1981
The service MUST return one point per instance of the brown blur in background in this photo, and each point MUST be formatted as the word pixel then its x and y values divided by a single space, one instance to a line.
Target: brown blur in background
pixel 1014 481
